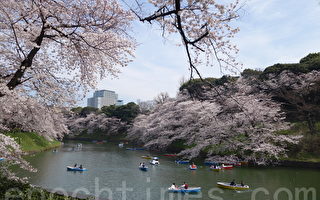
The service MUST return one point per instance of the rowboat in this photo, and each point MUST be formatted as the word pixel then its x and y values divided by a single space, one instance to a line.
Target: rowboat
pixel 208 163
pixel 182 161
pixel 76 169
pixel 147 157
pixel 193 167
pixel 155 161
pixel 182 190
pixel 217 168
pixel 232 187
pixel 135 149
pixel 145 168
pixel 1 159
pixel 170 155
pixel 227 166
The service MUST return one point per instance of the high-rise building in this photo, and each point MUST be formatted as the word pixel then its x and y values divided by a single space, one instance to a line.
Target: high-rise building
pixel 103 98
pixel 119 102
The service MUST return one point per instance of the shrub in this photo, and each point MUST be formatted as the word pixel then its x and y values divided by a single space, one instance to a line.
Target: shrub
pixel 251 72
pixel 306 64
pixel 310 57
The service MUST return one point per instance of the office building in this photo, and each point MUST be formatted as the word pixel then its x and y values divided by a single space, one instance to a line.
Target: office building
pixel 104 98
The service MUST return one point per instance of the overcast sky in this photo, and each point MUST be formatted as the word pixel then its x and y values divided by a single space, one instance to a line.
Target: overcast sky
pixel 271 31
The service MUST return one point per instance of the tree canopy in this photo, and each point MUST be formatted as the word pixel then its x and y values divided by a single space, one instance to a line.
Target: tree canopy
pixel 56 48
pixel 125 112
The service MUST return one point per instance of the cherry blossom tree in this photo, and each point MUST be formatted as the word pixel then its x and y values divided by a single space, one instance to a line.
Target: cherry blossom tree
pixel 204 27
pixel 25 114
pixel 93 123
pixel 223 127
pixel 50 50
pixel 54 48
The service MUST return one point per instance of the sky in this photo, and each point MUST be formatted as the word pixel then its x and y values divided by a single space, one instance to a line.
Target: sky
pixel 271 31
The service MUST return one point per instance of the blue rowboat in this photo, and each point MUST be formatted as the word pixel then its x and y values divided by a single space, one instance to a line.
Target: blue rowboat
pixel 210 163
pixel 1 159
pixel 143 168
pixel 189 190
pixel 141 149
pixel 76 169
pixel 135 149
pixel 182 161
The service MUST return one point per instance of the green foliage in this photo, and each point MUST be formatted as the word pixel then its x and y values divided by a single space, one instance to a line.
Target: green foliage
pixel 251 72
pixel 100 135
pixel 278 68
pixel 77 109
pixel 285 132
pixel 88 110
pixel 32 142
pixel 179 145
pixel 308 148
pixel 310 145
pixel 306 64
pixel 310 58
pixel 109 111
pixel 126 113
pixel 219 149
pixel 298 128
pixel 196 87
pixel 241 137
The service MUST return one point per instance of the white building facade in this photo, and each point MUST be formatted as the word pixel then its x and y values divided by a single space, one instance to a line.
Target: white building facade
pixel 103 98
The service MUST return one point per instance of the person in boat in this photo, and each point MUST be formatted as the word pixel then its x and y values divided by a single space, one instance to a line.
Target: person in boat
pixel 80 167
pixel 242 183
pixel 75 165
pixel 173 186
pixel 193 166
pixel 143 165
pixel 233 182
pixel 185 185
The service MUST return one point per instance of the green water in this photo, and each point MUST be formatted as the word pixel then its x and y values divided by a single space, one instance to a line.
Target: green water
pixel 111 169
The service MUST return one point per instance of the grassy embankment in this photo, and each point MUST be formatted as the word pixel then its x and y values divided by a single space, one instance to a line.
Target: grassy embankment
pixel 32 142
pixel 308 149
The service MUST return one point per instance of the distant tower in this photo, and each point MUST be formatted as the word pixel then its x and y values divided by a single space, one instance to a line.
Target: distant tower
pixel 103 98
